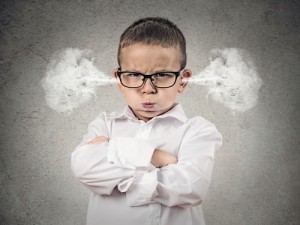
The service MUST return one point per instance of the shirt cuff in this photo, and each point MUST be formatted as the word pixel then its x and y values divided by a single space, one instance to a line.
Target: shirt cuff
pixel 139 172
pixel 128 152
pixel 142 190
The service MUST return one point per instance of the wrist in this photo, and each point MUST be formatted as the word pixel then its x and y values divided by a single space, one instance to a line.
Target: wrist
pixel 161 158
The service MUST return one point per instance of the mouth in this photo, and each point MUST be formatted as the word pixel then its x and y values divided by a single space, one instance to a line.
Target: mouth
pixel 148 105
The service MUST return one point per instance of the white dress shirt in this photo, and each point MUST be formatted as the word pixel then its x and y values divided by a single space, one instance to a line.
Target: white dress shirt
pixel 126 188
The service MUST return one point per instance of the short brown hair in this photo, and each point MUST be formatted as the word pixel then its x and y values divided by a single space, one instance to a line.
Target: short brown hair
pixel 154 31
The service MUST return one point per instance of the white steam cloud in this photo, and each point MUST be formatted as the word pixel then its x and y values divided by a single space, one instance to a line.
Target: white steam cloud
pixel 72 79
pixel 231 78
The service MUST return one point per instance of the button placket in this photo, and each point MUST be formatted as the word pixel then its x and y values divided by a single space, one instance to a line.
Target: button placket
pixel 144 132
pixel 154 213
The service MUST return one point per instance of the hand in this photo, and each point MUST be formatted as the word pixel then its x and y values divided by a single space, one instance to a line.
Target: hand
pixel 161 158
pixel 99 140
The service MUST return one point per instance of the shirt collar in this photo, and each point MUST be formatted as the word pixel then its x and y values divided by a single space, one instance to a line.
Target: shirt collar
pixel 176 112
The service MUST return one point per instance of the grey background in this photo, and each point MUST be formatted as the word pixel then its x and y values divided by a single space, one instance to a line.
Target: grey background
pixel 256 175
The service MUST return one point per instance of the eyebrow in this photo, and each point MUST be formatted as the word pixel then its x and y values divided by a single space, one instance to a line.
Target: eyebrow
pixel 160 71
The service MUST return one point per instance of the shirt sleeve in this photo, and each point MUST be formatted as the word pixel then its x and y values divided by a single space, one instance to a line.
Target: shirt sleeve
pixel 184 184
pixel 101 167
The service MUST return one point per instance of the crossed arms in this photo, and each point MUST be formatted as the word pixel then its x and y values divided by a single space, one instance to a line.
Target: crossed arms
pixel 147 174
pixel 159 158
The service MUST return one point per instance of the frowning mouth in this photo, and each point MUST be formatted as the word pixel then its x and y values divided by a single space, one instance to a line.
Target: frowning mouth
pixel 148 105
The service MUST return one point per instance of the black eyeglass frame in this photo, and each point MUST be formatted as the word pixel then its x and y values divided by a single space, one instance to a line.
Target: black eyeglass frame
pixel 177 74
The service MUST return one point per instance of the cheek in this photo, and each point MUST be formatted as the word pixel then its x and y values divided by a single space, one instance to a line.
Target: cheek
pixel 169 96
pixel 129 95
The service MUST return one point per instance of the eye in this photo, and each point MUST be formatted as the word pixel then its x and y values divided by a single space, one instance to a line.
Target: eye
pixel 164 75
pixel 132 75
pixel 135 74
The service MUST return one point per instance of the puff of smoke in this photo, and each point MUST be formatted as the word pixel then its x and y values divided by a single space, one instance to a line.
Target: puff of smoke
pixel 231 79
pixel 71 79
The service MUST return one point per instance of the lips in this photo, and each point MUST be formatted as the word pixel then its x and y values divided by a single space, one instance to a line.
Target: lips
pixel 148 105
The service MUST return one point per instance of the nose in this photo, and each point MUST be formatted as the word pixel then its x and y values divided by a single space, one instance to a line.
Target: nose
pixel 148 87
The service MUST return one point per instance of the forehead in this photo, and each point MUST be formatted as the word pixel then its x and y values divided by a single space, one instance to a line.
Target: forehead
pixel 149 58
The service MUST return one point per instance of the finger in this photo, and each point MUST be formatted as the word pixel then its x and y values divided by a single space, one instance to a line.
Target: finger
pixel 97 140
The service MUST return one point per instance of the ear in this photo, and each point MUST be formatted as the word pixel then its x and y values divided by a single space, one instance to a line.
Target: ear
pixel 184 78
pixel 117 79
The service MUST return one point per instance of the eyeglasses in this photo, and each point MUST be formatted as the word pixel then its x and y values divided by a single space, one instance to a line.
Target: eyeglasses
pixel 159 80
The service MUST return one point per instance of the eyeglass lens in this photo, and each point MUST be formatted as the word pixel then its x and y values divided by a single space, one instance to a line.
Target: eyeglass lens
pixel 158 80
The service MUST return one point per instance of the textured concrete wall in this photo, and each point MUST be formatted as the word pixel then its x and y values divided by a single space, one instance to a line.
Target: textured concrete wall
pixel 256 176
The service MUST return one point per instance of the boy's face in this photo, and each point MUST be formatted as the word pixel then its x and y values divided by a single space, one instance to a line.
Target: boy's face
pixel 148 101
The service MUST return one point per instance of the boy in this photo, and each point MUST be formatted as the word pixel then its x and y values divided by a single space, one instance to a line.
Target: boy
pixel 148 164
